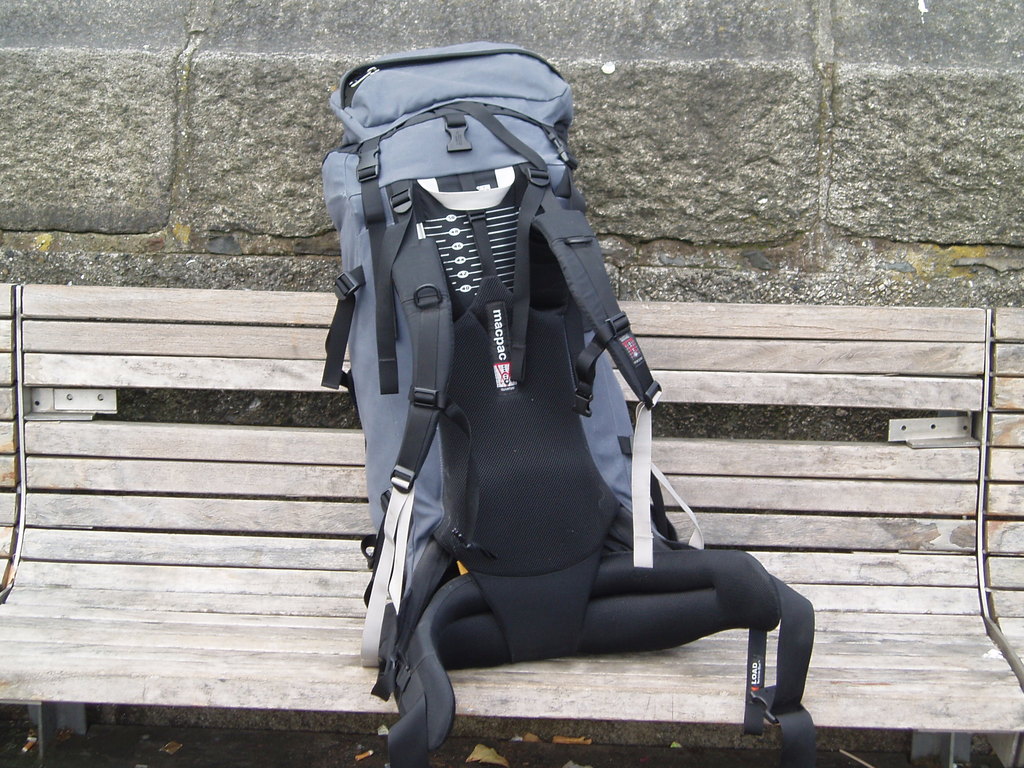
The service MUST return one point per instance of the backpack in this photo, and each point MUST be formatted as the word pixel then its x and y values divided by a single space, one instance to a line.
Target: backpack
pixel 515 501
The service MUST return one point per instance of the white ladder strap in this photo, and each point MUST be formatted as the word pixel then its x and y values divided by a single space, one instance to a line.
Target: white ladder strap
pixel 643 536
pixel 396 534
pixel 697 538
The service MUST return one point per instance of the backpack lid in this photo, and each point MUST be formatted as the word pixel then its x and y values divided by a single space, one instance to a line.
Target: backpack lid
pixel 375 96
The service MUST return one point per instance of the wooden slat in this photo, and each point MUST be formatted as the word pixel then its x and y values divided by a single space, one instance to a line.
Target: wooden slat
pixel 1007 430
pixel 913 393
pixel 6 369
pixel 6 437
pixel 161 579
pixel 284 445
pixel 1006 499
pixel 1006 572
pixel 1005 537
pixel 782 458
pixel 193 549
pixel 1008 604
pixel 6 405
pixel 860 357
pixel 8 509
pixel 879 599
pixel 202 478
pixel 1008 359
pixel 871 569
pixel 1008 393
pixel 157 339
pixel 1009 323
pixel 833 532
pixel 6 299
pixel 782 321
pixel 71 370
pixel 6 542
pixel 841 496
pixel 1006 464
pixel 178 305
pixel 275 516
pixel 7 472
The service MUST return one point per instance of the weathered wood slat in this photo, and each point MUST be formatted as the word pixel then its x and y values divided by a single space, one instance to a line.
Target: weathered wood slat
pixel 813 459
pixel 1008 360
pixel 833 532
pixel 286 445
pixel 274 516
pixel 782 321
pixel 193 550
pixel 1006 464
pixel 815 495
pixel 6 369
pixel 6 540
pixel 8 509
pixel 1008 393
pixel 6 333
pixel 72 370
pixel 6 437
pixel 160 339
pixel 178 305
pixel 7 472
pixel 161 579
pixel 201 478
pixel 1006 572
pixel 1009 603
pixel 1009 323
pixel 346 447
pixel 882 599
pixel 862 568
pixel 835 390
pixel 71 602
pixel 1007 430
pixel 858 357
pixel 1005 537
pixel 6 405
pixel 1006 499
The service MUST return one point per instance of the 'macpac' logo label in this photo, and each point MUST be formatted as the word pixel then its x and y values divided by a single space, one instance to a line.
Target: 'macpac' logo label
pixel 501 344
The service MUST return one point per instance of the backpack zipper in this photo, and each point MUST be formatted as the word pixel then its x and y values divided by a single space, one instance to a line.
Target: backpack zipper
pixel 355 76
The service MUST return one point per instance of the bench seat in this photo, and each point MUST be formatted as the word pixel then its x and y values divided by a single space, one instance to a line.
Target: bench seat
pixel 219 565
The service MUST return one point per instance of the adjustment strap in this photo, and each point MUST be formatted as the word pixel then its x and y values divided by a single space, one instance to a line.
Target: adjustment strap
pixel 529 205
pixel 345 288
pixel 643 536
pixel 697 537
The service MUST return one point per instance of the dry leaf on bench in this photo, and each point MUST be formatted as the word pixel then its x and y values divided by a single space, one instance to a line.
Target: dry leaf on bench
pixel 171 747
pixel 571 740
pixel 531 738
pixel 487 756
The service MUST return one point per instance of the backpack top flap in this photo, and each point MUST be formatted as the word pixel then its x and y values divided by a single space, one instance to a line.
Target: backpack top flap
pixel 377 96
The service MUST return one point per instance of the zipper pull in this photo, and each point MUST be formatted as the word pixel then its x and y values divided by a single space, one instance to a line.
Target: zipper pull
pixel 358 81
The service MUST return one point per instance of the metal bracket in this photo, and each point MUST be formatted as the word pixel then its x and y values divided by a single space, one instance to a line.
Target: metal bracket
pixel 939 432
pixel 50 403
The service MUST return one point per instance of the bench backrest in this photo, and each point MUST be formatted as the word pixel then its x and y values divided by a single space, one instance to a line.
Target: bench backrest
pixel 122 506
pixel 8 502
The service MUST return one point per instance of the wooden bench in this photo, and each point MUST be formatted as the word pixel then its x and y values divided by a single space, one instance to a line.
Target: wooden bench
pixel 218 565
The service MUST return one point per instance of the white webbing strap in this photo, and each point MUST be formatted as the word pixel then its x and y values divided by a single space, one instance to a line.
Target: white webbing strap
pixel 697 538
pixel 389 576
pixel 643 537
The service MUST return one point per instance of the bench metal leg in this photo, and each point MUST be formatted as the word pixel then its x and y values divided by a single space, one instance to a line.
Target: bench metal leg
pixel 53 716
pixel 948 748
pixel 1009 747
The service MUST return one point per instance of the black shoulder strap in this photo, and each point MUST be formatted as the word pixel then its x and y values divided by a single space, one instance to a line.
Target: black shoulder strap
pixel 578 252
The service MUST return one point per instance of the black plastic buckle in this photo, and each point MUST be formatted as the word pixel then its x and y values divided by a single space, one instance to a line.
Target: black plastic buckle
pixel 422 397
pixel 618 324
pixel 345 286
pixel 538 176
pixel 582 398
pixel 369 166
pixel 401 201
pixel 456 127
pixel 652 395
pixel 765 704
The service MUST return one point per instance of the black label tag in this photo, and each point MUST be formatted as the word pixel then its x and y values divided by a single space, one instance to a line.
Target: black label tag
pixel 629 343
pixel 501 345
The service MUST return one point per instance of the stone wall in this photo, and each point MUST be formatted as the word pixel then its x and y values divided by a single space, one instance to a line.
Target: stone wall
pixel 843 151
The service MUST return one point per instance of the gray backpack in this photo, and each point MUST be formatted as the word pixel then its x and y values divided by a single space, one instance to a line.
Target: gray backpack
pixel 511 493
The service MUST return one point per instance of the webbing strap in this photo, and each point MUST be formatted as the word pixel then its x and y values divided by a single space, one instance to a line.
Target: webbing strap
pixel 697 537
pixel 781 703
pixel 389 573
pixel 643 536
pixel 345 288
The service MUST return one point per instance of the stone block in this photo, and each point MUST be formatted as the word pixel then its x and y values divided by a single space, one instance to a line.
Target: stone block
pixel 710 151
pixel 928 154
pixel 562 29
pixel 110 24
pixel 929 33
pixel 87 138
pixel 258 128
